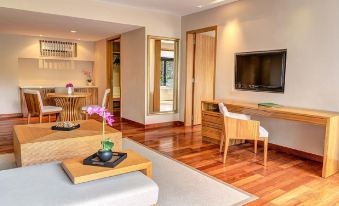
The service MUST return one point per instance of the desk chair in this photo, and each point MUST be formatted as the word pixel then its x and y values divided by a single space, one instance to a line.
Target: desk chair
pixel 240 126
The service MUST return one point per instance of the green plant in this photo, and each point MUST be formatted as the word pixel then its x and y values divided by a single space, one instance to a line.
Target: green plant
pixel 107 144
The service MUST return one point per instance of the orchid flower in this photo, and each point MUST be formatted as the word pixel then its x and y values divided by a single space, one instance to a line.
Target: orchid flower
pixel 106 117
pixel 102 112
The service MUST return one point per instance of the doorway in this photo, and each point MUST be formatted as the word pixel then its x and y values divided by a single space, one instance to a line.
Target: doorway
pixel 113 75
pixel 200 67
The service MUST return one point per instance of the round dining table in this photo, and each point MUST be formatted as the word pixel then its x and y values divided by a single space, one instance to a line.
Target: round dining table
pixel 71 104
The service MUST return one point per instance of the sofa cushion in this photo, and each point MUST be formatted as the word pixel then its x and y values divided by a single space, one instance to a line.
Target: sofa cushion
pixel 47 184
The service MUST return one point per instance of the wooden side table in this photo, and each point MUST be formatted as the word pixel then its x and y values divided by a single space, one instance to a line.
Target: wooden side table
pixel 80 173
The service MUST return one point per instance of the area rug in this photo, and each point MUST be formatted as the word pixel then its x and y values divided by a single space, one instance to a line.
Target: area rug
pixel 179 184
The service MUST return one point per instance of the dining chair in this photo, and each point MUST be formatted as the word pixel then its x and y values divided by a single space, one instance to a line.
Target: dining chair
pixel 103 103
pixel 35 106
pixel 240 126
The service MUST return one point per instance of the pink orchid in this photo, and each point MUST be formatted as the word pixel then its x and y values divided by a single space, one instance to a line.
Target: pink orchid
pixel 69 85
pixel 102 112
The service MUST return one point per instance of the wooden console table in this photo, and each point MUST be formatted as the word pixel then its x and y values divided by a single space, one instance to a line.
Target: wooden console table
pixel 330 120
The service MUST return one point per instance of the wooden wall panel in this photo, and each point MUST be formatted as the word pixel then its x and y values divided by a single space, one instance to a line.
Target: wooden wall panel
pixel 157 67
pixel 189 78
pixel 204 68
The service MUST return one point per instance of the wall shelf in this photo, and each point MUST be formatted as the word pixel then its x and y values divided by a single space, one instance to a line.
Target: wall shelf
pixel 57 59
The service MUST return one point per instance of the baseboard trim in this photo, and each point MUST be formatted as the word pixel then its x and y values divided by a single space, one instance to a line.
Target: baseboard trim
pixel 156 125
pixel 132 122
pixel 292 151
pixel 13 115
pixel 164 124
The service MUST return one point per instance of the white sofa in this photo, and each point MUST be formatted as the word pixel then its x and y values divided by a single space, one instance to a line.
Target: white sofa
pixel 48 185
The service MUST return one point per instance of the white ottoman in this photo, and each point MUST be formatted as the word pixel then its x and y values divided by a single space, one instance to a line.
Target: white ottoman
pixel 48 185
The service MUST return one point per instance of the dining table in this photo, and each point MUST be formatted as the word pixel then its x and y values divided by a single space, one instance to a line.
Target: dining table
pixel 71 104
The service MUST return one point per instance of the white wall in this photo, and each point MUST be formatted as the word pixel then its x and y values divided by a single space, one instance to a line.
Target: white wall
pixel 309 31
pixel 155 23
pixel 19 66
pixel 133 73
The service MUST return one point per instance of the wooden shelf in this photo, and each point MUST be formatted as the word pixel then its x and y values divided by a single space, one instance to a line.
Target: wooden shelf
pixel 58 59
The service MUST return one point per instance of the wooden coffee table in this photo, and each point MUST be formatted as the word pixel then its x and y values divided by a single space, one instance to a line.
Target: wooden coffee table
pixel 37 143
pixel 80 173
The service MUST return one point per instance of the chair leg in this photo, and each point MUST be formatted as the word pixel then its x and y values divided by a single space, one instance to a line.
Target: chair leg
pixel 40 118
pixel 265 150
pixel 86 116
pixel 255 146
pixel 29 118
pixel 225 150
pixel 221 142
pixel 49 118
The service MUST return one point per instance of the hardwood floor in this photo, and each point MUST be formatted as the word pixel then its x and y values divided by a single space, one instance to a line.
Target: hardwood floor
pixel 287 180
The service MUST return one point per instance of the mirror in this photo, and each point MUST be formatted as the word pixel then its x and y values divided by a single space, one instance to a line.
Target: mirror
pixel 162 75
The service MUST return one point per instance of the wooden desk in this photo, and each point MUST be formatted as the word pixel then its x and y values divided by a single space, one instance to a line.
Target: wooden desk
pixel 317 117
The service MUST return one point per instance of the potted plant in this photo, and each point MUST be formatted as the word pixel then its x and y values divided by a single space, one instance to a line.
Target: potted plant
pixel 70 88
pixel 105 153
pixel 89 76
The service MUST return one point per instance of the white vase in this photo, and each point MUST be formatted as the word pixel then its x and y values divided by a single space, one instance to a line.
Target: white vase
pixel 69 90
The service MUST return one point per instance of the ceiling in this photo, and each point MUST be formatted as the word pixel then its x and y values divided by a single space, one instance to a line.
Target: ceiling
pixel 34 24
pixel 177 7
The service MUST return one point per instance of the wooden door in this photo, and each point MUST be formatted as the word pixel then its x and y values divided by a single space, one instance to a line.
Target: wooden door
pixel 203 73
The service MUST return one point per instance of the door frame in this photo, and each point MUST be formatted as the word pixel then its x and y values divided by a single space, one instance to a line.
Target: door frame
pixel 109 70
pixel 190 52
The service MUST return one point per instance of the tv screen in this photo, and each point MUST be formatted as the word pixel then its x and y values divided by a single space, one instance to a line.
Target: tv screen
pixel 261 71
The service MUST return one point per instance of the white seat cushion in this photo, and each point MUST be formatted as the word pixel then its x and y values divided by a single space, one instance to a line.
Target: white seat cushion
pixel 46 109
pixel 263 132
pixel 48 184
pixel 84 108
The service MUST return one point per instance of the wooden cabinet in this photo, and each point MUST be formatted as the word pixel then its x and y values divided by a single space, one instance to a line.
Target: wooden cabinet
pixel 212 123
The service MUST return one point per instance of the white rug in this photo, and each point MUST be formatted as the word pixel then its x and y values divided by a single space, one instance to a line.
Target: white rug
pixel 180 185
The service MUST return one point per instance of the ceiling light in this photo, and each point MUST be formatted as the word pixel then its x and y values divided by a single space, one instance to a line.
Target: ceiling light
pixel 216 1
pixel 41 35
pixel 200 6
pixel 79 39
pixel 73 31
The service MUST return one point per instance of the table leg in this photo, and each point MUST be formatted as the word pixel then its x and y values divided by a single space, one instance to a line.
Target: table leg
pixel 147 171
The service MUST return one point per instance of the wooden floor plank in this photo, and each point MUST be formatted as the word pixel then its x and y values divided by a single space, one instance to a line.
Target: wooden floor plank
pixel 287 180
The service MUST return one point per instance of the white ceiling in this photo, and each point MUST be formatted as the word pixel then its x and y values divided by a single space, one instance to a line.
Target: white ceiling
pixel 177 7
pixel 34 24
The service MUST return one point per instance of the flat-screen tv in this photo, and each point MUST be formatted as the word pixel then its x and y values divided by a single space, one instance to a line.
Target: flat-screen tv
pixel 261 71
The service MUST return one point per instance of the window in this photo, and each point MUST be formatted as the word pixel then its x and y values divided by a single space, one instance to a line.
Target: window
pixel 167 72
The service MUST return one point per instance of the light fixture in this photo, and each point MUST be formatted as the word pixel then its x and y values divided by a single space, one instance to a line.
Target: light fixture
pixel 200 6
pixel 216 1
pixel 41 35
pixel 73 31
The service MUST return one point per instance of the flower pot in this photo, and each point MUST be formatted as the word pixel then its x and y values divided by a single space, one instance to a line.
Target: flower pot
pixel 105 155
pixel 89 83
pixel 69 90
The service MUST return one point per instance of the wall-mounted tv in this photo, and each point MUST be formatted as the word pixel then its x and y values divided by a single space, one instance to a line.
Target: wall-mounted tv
pixel 261 71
